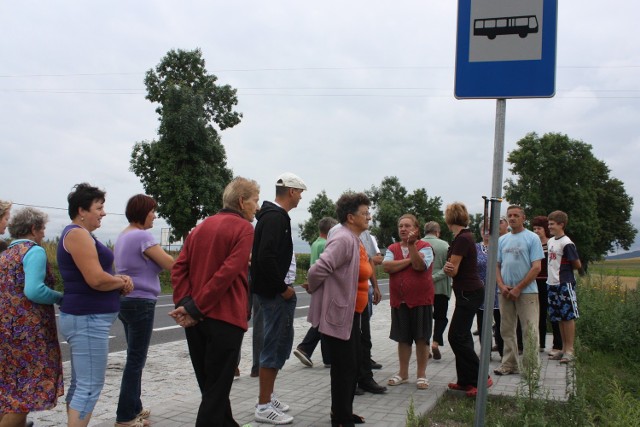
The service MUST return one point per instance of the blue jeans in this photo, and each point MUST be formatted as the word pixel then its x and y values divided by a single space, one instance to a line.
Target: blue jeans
pixel 258 333
pixel 137 316
pixel 88 338
pixel 278 316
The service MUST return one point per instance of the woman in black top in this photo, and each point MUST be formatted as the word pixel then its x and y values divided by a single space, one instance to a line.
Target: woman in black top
pixel 469 291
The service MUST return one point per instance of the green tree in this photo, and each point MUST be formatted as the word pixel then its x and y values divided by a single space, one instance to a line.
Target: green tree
pixel 554 172
pixel 391 200
pixel 319 207
pixel 185 170
pixel 477 220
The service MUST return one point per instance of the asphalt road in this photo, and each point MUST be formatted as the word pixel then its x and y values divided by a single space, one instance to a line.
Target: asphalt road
pixel 165 329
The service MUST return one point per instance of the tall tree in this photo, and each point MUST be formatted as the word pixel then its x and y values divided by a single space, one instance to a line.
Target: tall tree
pixel 185 170
pixel 391 200
pixel 319 207
pixel 554 172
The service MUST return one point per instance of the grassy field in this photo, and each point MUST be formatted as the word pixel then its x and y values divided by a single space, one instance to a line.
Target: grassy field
pixel 624 272
pixel 607 387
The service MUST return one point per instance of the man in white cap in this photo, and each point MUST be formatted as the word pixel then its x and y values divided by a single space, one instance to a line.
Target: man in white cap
pixel 271 259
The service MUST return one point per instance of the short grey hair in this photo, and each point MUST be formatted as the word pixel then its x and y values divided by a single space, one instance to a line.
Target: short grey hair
pixel 4 207
pixel 23 221
pixel 238 188
pixel 431 227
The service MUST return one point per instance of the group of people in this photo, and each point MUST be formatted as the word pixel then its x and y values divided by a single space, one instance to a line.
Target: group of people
pixel 227 267
pixel 94 296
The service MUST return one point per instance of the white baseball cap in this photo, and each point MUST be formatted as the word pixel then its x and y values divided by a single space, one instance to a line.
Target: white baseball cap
pixel 290 180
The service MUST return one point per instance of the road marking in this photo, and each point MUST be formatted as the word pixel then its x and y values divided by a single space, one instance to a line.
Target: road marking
pixel 166 328
pixel 302 306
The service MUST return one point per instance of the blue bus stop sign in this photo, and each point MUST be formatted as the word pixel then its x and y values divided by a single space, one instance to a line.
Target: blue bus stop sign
pixel 506 48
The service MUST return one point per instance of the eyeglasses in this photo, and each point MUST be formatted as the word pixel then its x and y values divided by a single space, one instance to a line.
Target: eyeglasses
pixel 366 214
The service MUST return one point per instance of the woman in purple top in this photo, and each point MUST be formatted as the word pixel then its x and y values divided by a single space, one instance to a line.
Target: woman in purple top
pixel 91 300
pixel 138 255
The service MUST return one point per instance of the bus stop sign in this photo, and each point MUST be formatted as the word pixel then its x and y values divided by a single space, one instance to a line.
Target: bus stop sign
pixel 506 48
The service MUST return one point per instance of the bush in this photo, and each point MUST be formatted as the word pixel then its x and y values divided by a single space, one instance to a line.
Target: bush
pixel 303 262
pixel 610 317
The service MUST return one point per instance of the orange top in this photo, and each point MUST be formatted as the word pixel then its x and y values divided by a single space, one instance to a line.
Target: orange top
pixel 365 272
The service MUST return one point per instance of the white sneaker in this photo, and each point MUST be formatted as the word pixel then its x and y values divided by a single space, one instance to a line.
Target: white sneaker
pixel 272 416
pixel 280 406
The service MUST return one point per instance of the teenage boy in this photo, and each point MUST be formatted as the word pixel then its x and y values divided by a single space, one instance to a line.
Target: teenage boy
pixel 563 305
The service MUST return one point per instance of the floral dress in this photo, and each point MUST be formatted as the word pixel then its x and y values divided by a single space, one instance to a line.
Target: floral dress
pixel 30 362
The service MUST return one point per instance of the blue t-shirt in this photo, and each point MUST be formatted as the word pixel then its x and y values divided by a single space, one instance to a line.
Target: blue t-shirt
pixel 516 252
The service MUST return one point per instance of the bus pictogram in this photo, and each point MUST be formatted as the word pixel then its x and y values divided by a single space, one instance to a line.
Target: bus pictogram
pixel 492 27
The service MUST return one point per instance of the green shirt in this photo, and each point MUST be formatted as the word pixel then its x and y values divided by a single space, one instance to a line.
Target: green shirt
pixel 316 249
pixel 441 281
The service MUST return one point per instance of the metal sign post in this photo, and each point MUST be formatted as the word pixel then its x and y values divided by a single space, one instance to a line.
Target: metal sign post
pixel 505 49
pixel 492 260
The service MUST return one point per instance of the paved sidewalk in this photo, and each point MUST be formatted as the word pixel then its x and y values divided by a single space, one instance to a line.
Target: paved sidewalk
pixel 170 389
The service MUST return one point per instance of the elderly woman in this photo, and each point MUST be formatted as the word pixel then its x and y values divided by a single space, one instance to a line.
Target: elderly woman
pixel 339 287
pixel 211 295
pixel 91 300
pixel 411 289
pixel 462 266
pixel 139 256
pixel 5 211
pixel 31 368
pixel 482 250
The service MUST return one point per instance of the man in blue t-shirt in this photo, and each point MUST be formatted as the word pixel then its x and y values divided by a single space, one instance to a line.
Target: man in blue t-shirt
pixel 519 255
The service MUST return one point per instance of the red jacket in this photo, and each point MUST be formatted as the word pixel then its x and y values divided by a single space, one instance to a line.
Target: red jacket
pixel 414 288
pixel 209 277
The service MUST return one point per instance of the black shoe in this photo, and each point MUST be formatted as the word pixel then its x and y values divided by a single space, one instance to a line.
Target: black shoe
pixel 375 365
pixel 359 391
pixel 372 387
pixel 29 424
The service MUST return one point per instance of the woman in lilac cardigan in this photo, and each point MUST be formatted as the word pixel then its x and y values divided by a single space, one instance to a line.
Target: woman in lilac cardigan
pixel 338 284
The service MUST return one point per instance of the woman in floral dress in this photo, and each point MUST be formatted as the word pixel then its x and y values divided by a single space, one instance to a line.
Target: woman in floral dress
pixel 31 368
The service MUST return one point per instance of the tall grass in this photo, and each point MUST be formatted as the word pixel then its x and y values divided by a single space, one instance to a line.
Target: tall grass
pixel 604 382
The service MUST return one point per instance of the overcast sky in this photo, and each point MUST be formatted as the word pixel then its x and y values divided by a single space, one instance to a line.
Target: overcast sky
pixel 342 93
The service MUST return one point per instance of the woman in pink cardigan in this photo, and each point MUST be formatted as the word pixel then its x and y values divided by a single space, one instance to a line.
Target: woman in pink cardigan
pixel 339 283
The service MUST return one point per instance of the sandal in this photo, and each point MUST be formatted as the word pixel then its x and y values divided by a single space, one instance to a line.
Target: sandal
pixel 396 380
pixel 422 383
pixel 556 356
pixel 136 422
pixel 145 413
pixel 567 358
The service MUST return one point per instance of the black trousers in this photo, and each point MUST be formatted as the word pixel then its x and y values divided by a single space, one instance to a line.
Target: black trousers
pixel 345 359
pixel 496 333
pixel 440 308
pixel 460 338
pixel 310 342
pixel 365 372
pixel 543 302
pixel 214 347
